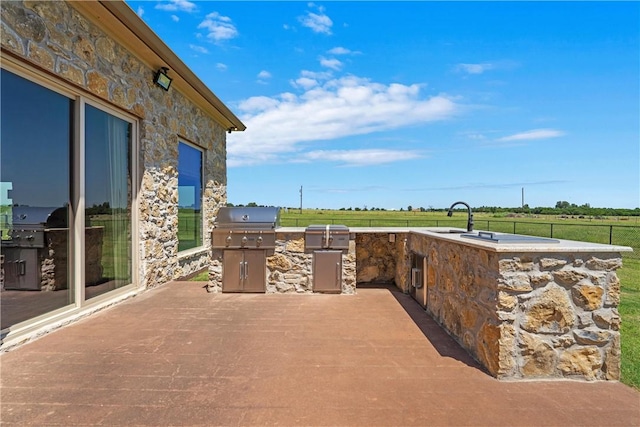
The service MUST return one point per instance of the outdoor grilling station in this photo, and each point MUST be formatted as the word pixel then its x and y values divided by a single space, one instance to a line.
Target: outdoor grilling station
pixel 34 257
pixel 523 306
pixel 252 253
pixel 246 237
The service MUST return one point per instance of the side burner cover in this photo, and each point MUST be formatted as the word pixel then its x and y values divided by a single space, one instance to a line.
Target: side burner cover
pixel 328 236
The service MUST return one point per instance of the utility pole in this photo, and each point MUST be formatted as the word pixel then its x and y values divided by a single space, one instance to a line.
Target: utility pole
pixel 522 197
pixel 301 200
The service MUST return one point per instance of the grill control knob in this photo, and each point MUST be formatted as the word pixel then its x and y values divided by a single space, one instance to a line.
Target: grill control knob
pixel 29 237
pixel 259 241
pixel 228 240
pixel 244 240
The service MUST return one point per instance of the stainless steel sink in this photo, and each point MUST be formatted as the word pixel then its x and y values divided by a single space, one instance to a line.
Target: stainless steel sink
pixel 508 238
pixel 449 231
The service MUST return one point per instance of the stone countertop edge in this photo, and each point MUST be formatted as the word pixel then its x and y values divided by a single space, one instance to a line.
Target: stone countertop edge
pixel 443 234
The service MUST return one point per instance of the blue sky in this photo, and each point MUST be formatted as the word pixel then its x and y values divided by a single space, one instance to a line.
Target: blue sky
pixel 391 104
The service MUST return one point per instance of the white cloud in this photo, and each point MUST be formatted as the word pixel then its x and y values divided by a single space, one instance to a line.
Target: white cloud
pixel 177 5
pixel 219 27
pixel 221 66
pixel 317 75
pixel 532 135
pixel 360 157
pixel 474 68
pixel 317 22
pixel 263 76
pixel 140 11
pixel 305 83
pixel 175 18
pixel 198 49
pixel 328 110
pixel 480 68
pixel 332 63
pixel 339 51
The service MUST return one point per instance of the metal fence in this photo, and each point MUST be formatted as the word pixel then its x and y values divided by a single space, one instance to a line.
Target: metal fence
pixel 620 235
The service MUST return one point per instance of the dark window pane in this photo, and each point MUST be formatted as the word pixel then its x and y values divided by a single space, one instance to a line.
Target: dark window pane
pixel 189 197
pixel 34 196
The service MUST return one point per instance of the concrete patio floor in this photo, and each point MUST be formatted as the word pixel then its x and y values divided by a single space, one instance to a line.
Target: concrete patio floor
pixel 178 355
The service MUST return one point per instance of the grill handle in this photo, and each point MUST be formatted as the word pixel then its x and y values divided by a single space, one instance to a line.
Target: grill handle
pixel 246 270
pixel 241 271
pixel 22 267
pixel 326 236
pixel 338 274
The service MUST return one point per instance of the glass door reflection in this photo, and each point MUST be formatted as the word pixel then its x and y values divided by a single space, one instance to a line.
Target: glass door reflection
pixel 108 202
pixel 35 156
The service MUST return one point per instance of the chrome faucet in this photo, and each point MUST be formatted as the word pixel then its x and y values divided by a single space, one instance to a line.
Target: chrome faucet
pixel 470 218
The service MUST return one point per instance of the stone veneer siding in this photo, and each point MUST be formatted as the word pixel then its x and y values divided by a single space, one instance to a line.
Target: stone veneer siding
pixel 57 38
pixel 289 268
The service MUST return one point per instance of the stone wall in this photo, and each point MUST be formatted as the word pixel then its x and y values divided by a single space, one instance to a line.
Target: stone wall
pixel 55 37
pixel 379 259
pixel 289 269
pixel 542 315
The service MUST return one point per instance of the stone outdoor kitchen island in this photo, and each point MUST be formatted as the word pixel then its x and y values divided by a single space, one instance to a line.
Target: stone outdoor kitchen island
pixel 524 310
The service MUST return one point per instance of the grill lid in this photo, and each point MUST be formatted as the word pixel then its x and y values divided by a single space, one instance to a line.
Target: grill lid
pixel 248 217
pixel 331 228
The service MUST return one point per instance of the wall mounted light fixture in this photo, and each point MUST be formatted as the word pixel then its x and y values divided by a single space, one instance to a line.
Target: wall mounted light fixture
pixel 162 79
pixel 231 129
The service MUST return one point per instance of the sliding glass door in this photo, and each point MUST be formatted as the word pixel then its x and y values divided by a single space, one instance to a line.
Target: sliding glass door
pixel 108 202
pixel 43 181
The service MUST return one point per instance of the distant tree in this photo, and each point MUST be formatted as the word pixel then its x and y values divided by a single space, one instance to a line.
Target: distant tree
pixel 409 208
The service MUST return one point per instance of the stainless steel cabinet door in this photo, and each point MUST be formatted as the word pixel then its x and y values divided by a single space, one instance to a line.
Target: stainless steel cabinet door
pixel 233 271
pixel 21 269
pixel 327 271
pixel 244 271
pixel 255 274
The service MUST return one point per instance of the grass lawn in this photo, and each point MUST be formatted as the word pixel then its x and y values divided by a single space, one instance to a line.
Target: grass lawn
pixel 201 277
pixel 629 309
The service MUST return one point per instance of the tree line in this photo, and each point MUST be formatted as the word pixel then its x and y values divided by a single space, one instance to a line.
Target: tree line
pixel 561 208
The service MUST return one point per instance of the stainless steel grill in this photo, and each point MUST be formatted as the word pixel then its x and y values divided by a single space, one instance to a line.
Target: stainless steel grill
pixel 246 235
pixel 27 239
pixel 246 228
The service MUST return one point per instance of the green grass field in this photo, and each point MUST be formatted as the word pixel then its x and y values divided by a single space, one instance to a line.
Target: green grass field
pixel 629 309
pixel 620 231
